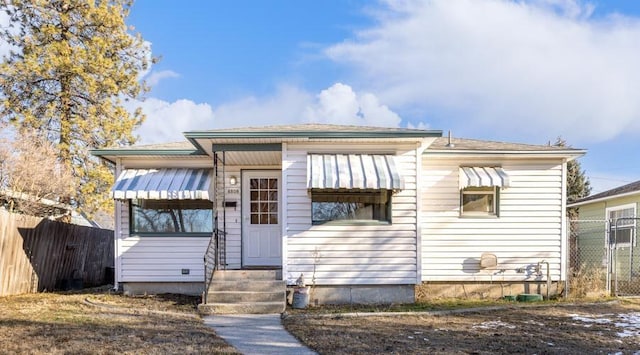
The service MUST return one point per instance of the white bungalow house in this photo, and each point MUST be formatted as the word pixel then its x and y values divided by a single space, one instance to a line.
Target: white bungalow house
pixel 363 214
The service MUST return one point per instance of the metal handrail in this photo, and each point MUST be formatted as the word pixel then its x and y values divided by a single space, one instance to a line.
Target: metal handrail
pixel 212 254
pixel 217 244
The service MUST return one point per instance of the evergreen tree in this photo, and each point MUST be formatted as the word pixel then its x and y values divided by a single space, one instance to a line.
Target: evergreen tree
pixel 73 67
pixel 578 185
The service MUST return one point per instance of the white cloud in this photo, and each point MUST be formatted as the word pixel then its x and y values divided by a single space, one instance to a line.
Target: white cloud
pixel 338 104
pixel 285 106
pixel 166 121
pixel 419 125
pixel 575 9
pixel 540 68
pixel 155 77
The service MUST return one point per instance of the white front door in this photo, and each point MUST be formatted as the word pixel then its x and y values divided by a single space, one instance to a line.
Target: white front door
pixel 261 231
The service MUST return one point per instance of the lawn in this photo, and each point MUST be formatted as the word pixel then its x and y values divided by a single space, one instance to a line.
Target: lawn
pixel 610 327
pixel 104 323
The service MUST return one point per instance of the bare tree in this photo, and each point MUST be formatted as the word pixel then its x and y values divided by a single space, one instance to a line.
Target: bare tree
pixel 32 179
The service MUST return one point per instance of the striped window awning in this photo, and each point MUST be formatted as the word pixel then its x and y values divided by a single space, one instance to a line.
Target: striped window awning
pixel 483 177
pixel 163 184
pixel 353 172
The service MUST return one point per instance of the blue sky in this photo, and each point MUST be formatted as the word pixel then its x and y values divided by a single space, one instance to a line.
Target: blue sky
pixel 518 71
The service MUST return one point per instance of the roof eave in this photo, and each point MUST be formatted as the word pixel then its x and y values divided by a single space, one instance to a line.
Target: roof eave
pixel 604 198
pixel 127 152
pixel 107 153
pixel 569 154
pixel 191 136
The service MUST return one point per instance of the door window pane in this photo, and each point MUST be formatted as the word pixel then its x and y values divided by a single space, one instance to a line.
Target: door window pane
pixel 264 196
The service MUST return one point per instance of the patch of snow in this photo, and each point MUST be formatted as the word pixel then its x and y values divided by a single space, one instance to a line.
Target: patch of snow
pixel 531 321
pixel 630 324
pixel 590 319
pixel 494 325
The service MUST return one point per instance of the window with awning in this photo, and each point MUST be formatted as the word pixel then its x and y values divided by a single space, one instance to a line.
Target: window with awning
pixel 163 184
pixel 353 172
pixel 352 188
pixel 480 190
pixel 477 176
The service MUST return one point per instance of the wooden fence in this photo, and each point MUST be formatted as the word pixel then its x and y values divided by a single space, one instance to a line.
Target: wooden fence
pixel 42 255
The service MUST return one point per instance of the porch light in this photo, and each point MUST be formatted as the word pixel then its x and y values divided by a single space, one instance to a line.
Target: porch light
pixel 233 180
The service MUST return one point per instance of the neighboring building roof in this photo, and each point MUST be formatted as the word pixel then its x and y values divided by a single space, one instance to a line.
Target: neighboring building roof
pixel 621 191
pixel 42 207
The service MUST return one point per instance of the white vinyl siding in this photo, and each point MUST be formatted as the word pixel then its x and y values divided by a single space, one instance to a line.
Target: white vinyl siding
pixel 527 231
pixel 159 259
pixel 343 254
pixel 233 216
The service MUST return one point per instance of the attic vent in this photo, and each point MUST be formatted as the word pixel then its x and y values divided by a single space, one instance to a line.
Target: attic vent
pixel 450 143
pixel 488 261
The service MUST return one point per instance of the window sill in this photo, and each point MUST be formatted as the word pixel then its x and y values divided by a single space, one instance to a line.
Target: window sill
pixel 352 223
pixel 163 235
pixel 479 216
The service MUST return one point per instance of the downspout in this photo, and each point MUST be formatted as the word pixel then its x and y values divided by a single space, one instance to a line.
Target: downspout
pixel 117 235
pixel 564 234
pixel 419 150
pixel 283 213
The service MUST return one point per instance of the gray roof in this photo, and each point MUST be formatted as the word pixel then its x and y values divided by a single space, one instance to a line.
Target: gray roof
pixel 617 191
pixel 442 143
pixel 183 145
pixel 312 127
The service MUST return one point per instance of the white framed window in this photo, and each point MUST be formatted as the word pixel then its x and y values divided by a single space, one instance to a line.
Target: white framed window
pixel 622 230
pixel 479 201
pixel 351 207
pixel 171 217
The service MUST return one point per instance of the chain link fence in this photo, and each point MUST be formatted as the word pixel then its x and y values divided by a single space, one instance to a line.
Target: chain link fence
pixel 603 258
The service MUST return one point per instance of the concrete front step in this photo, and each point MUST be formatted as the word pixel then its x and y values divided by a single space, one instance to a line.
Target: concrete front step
pixel 245 296
pixel 246 274
pixel 248 285
pixel 241 308
pixel 245 291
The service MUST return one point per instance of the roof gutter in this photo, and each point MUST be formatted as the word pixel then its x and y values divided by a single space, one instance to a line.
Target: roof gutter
pixel 571 155
pixel 312 134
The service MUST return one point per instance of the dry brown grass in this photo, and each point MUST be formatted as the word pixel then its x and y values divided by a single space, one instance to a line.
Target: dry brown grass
pixel 103 323
pixel 587 281
pixel 549 329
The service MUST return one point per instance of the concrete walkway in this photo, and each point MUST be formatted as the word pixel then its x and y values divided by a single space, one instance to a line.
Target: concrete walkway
pixel 256 334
